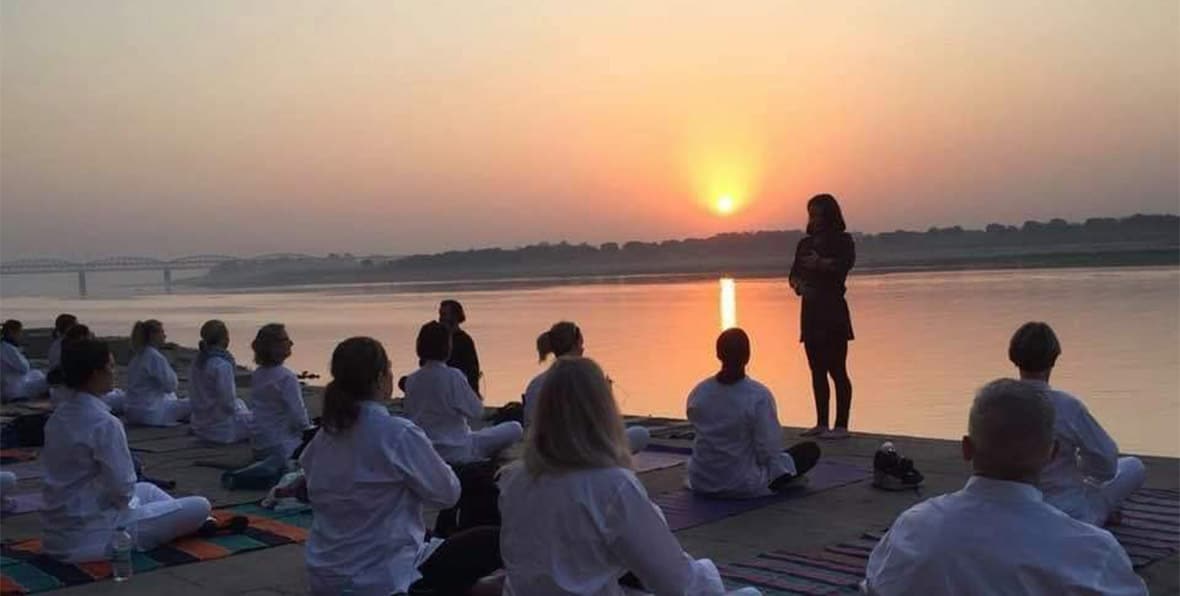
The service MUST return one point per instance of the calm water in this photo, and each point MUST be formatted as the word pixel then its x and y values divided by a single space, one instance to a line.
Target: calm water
pixel 925 341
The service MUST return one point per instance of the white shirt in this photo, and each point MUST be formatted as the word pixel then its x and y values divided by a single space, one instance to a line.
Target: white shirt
pixel 440 401
pixel 212 391
pixel 280 416
pixel 13 368
pixel 89 479
pixel 367 486
pixel 738 448
pixel 531 393
pixel 578 532
pixel 997 537
pixel 150 381
pixel 1086 455
pixel 54 354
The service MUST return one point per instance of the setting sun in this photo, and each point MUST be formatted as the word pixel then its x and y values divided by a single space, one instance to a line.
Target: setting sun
pixel 725 205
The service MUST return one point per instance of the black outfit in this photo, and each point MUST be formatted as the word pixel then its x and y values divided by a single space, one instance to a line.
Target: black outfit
pixel 459 562
pixel 825 322
pixel 464 358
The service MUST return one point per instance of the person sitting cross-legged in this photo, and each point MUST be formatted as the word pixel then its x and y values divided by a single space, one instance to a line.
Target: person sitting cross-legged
pixel 737 451
pixel 997 535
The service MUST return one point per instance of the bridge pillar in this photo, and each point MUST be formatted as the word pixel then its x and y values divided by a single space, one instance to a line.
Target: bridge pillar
pixel 82 283
pixel 168 280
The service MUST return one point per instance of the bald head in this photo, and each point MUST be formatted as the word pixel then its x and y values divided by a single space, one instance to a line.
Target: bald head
pixel 1010 431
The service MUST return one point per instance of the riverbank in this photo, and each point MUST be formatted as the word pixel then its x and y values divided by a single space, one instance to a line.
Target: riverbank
pixel 801 524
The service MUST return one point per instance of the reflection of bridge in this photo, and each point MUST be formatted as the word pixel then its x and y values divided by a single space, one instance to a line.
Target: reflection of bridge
pixel 36 266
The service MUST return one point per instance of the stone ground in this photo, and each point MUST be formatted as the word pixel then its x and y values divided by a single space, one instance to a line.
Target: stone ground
pixel 800 524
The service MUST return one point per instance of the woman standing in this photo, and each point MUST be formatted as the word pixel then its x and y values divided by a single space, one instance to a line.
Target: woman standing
pixel 822 262
pixel 151 382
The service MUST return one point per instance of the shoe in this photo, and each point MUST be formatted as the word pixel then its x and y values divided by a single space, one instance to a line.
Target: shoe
pixel 814 431
pixel 835 434
pixel 893 472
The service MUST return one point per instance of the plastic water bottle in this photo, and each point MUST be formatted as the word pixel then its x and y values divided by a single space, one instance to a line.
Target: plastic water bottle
pixel 121 547
pixel 887 447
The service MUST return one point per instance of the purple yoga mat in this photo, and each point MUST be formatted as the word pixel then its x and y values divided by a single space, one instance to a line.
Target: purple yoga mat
pixel 22 503
pixel 684 509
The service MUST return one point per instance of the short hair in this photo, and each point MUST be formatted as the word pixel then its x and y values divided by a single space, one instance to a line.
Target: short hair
pixel 1034 347
pixel 577 424
pixel 82 359
pixel 733 347
pixel 266 342
pixel 1011 427
pixel 9 327
pixel 460 314
pixel 62 323
pixel 434 342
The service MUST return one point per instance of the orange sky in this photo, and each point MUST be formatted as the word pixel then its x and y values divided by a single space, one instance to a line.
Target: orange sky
pixel 170 128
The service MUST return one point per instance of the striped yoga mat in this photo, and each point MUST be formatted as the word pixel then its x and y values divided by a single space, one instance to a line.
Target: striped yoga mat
pixel 1149 531
pixel 25 570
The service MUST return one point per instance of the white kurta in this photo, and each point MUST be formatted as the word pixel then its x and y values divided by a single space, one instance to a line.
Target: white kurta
pixel 578 532
pixel 218 415
pixel 90 489
pixel 368 486
pixel 1085 479
pixel 151 391
pixel 997 537
pixel 17 379
pixel 440 401
pixel 738 447
pixel 280 416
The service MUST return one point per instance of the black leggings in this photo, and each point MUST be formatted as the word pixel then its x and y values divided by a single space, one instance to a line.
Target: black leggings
pixel 824 359
pixel 459 562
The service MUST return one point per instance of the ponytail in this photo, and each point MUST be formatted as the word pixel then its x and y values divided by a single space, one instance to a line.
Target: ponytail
pixel 358 364
pixel 544 346
pixel 560 340
pixel 141 333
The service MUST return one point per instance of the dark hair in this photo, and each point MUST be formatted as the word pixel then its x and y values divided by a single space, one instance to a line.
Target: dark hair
pixel 460 315
pixel 357 366
pixel 62 323
pixel 142 332
pixel 830 213
pixel 434 342
pixel 265 343
pixel 81 360
pixel 559 340
pixel 75 334
pixel 9 327
pixel 733 347
pixel 1034 347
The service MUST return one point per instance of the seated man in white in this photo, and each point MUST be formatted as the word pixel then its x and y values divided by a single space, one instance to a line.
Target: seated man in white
pixel 218 416
pixel 441 402
pixel 18 381
pixel 997 535
pixel 737 451
pixel 1087 479
pixel 90 488
pixel 151 383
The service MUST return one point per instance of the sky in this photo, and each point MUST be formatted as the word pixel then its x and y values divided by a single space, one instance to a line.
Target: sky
pixel 172 128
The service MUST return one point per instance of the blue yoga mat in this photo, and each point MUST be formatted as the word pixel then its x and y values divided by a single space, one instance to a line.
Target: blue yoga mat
pixel 685 509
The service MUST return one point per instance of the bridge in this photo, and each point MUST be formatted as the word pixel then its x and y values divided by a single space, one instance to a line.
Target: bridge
pixel 52 265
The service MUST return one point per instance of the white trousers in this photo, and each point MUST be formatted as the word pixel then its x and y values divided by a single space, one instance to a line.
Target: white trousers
pixel 487 442
pixel 167 410
pixel 31 384
pixel 1105 499
pixel 159 518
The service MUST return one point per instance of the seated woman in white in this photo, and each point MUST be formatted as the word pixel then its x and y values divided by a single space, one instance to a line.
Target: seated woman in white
pixel 58 392
pixel 368 476
pixel 1086 479
pixel 737 450
pixel 575 517
pixel 218 415
pixel 90 488
pixel 151 382
pixel 18 381
pixel 276 399
pixel 441 401
pixel 565 339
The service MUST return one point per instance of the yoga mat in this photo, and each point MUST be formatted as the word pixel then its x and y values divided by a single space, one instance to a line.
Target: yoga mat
pixel 168 445
pixel 684 509
pixel 25 570
pixel 17 455
pixel 1144 533
pixel 25 470
pixel 649 461
pixel 19 503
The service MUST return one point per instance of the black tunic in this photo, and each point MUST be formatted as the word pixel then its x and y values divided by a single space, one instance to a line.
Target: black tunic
pixel 464 358
pixel 824 317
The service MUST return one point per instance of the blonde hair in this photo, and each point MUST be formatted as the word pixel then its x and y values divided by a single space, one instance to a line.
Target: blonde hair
pixel 577 423
pixel 559 340
pixel 141 333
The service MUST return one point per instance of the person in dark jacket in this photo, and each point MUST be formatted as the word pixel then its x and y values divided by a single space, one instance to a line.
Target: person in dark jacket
pixel 822 261
pixel 463 355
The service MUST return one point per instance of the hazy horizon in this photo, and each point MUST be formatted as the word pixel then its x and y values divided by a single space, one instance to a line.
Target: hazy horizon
pixel 167 129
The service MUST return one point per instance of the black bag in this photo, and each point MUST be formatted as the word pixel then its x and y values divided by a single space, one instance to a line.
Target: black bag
pixel 26 430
